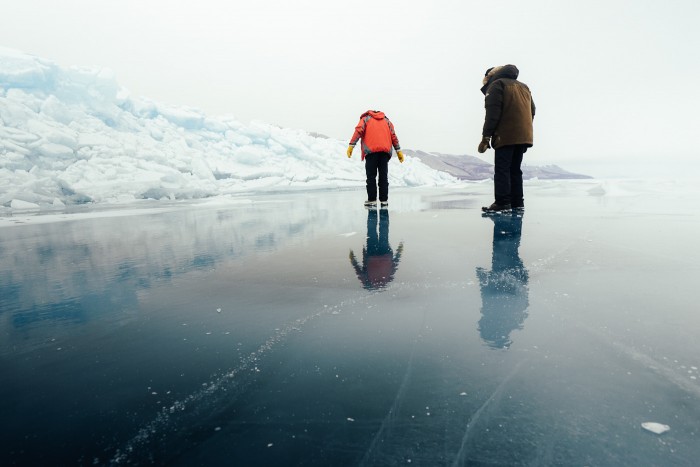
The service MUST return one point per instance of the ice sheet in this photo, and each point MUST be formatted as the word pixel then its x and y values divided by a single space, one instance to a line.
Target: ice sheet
pixel 242 332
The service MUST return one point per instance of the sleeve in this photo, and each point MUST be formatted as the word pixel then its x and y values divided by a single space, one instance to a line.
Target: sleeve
pixel 493 103
pixel 394 138
pixel 359 132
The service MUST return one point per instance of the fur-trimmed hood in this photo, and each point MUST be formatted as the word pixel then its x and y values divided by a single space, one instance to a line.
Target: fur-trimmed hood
pixel 498 72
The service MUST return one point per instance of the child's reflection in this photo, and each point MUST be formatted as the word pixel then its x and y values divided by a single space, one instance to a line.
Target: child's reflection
pixel 379 263
pixel 504 292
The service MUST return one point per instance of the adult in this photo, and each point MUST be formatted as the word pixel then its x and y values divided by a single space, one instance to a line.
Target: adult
pixel 378 137
pixel 510 111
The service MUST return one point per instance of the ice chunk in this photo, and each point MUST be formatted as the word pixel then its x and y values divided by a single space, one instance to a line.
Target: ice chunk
pixel 19 204
pixel 657 428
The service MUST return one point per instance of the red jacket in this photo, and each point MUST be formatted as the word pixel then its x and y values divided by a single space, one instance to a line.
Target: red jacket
pixel 377 133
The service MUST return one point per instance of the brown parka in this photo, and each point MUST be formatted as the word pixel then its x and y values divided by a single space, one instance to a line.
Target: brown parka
pixel 509 108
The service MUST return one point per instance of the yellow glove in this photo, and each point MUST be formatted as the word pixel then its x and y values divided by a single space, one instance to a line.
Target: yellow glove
pixel 484 145
pixel 399 154
pixel 349 151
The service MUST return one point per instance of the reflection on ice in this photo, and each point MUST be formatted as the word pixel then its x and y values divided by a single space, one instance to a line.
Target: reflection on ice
pixel 237 334
pixel 379 264
pixel 504 291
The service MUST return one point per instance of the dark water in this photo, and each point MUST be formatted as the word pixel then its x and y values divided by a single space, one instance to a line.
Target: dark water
pixel 305 330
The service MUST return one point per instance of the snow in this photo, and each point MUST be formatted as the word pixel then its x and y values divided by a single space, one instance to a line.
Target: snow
pixel 656 428
pixel 74 135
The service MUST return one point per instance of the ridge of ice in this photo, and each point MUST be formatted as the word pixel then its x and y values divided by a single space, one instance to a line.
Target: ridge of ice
pixel 74 135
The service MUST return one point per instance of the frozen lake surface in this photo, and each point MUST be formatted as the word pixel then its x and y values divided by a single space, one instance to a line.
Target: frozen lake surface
pixel 303 329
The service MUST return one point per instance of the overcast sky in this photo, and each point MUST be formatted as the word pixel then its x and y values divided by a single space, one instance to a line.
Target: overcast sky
pixel 614 81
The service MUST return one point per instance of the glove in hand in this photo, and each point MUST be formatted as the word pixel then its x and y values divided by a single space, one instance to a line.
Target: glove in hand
pixel 484 145
pixel 399 154
pixel 349 151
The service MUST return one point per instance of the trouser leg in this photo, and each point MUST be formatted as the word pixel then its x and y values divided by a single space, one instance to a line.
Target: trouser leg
pixel 371 171
pixel 516 177
pixel 383 168
pixel 501 175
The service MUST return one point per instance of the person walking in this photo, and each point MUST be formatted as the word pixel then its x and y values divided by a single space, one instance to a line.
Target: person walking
pixel 510 112
pixel 378 137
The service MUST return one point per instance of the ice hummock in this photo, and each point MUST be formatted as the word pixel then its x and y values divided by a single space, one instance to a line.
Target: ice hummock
pixel 74 135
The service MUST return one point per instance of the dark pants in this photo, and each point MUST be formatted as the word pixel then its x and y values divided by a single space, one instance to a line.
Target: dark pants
pixel 508 177
pixel 377 162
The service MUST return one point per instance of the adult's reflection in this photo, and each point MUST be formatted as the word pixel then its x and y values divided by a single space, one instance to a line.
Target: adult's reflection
pixel 504 291
pixel 379 263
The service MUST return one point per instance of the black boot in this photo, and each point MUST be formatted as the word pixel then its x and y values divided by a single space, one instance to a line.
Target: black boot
pixel 496 208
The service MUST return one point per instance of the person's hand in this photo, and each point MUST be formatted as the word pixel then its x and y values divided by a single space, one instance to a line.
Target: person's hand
pixel 484 145
pixel 349 151
pixel 399 154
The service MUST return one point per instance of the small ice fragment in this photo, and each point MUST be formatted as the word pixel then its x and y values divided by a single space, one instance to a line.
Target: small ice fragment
pixel 657 428
pixel 269 445
pixel 694 368
pixel 208 333
pixel 351 419
pixel 218 428
pixel 462 393
pixel 218 310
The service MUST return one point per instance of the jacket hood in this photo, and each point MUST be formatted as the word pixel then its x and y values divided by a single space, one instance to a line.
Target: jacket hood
pixel 498 72
pixel 376 114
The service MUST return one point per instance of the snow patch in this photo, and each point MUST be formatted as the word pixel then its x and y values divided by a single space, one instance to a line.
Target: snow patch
pixel 656 428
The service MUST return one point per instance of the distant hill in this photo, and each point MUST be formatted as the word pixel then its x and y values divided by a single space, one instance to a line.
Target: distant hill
pixel 467 167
